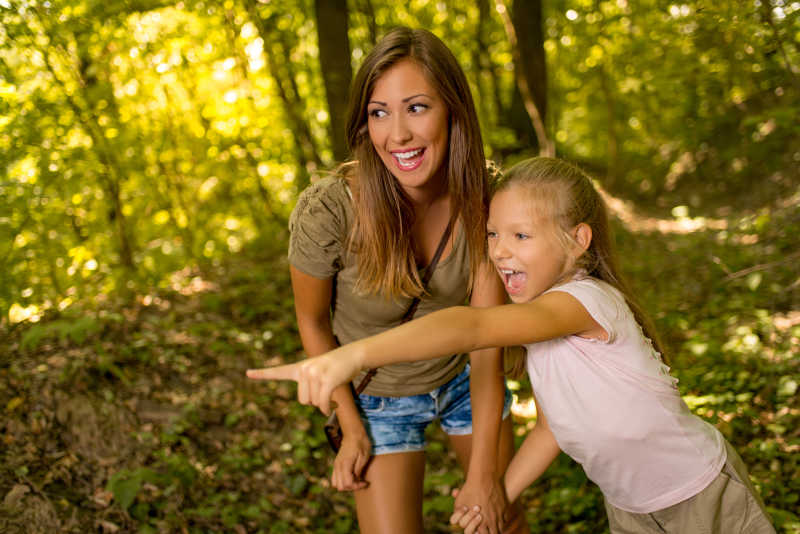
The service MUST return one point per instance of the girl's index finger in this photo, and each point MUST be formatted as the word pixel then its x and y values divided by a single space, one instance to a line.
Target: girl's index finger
pixel 280 372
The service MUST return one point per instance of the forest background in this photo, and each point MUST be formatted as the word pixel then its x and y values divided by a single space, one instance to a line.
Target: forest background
pixel 152 150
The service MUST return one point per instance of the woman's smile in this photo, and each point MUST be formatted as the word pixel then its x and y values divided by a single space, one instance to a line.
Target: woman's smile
pixel 408 160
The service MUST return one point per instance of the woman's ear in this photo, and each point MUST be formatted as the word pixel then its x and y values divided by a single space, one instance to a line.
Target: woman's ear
pixel 583 236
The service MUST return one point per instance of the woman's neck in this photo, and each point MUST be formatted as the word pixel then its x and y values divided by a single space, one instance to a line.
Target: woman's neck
pixel 430 193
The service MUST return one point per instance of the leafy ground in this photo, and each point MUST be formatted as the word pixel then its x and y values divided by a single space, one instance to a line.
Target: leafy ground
pixel 134 415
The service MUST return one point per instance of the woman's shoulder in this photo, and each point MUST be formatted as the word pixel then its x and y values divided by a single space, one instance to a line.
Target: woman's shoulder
pixel 327 194
pixel 330 186
pixel 319 225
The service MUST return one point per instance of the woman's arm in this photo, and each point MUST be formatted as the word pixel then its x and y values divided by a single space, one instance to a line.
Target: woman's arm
pixel 312 298
pixel 531 460
pixel 449 331
pixel 483 486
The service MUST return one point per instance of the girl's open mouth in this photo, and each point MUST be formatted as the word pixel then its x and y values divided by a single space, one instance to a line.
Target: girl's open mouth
pixel 513 280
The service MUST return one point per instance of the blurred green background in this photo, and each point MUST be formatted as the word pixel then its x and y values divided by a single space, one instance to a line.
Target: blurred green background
pixel 151 151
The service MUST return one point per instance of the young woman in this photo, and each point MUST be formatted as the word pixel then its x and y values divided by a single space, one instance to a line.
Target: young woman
pixel 358 242
pixel 604 395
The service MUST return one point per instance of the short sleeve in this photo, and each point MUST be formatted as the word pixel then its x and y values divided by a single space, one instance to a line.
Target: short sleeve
pixel 604 305
pixel 318 228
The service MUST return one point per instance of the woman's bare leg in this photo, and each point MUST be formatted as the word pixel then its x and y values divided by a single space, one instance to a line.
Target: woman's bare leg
pixel 392 503
pixel 462 445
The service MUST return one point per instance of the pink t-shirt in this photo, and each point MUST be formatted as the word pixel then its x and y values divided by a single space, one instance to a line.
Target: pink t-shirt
pixel 614 408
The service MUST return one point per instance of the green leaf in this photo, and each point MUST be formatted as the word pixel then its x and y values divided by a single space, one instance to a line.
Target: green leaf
pixel 125 486
pixel 298 484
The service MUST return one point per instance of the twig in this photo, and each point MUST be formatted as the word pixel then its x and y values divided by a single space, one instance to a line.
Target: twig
pixel 761 267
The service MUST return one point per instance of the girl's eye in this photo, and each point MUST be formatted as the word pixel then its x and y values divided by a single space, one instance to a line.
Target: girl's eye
pixel 521 236
pixel 417 108
pixel 377 113
pixel 490 234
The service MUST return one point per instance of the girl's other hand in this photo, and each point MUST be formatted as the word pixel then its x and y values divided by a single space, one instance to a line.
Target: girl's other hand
pixel 468 518
pixel 350 463
pixel 488 498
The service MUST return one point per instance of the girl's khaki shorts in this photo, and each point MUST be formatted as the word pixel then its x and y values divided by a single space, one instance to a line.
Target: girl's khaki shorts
pixel 729 505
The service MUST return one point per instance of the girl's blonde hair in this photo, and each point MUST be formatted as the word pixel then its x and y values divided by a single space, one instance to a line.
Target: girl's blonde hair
pixel 384 216
pixel 562 193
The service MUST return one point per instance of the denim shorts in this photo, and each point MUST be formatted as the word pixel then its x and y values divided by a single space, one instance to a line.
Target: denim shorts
pixel 397 424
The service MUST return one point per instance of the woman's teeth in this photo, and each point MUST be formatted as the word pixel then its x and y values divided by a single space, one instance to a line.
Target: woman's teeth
pixel 404 157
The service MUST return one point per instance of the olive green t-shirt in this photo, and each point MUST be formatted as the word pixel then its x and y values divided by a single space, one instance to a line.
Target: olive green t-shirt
pixel 319 226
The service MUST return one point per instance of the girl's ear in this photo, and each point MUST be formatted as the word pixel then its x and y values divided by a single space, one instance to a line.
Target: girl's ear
pixel 583 236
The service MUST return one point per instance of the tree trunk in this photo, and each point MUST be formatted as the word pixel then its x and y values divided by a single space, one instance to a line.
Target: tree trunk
pixel 306 152
pixel 334 59
pixel 519 120
pixel 111 177
pixel 369 14
pixel 613 138
pixel 524 31
pixel 526 16
pixel 480 59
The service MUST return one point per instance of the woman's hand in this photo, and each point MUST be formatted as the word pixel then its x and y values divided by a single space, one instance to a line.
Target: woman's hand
pixel 351 461
pixel 486 500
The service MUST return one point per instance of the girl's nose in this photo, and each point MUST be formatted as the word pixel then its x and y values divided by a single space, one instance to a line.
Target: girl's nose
pixel 497 249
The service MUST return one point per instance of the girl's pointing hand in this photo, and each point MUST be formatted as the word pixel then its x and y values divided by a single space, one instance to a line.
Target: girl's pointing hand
pixel 316 377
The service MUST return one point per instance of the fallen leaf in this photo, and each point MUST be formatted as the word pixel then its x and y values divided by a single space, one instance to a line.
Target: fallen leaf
pixel 13 404
pixel 107 526
pixel 14 496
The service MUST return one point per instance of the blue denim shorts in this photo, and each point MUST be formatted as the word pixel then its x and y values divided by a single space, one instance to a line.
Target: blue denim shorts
pixel 397 424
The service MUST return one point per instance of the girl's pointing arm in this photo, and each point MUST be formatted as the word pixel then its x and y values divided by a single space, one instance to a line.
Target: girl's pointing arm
pixel 453 330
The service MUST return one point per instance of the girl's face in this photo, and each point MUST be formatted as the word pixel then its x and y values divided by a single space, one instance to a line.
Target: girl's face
pixel 524 246
pixel 407 122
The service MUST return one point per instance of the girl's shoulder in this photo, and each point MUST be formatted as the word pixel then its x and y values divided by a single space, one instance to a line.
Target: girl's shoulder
pixel 604 302
pixel 598 290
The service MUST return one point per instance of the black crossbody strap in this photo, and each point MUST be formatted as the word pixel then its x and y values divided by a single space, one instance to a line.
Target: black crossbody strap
pixel 412 309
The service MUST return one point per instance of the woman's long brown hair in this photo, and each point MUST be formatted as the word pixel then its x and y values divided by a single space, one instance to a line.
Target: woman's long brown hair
pixel 564 194
pixel 384 216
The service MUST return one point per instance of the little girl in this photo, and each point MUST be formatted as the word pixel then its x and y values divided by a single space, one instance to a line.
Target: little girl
pixel 604 395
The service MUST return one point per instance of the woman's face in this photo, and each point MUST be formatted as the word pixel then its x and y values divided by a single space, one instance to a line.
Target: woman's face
pixel 407 121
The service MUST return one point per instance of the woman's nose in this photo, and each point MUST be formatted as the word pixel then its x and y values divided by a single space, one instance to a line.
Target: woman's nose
pixel 400 131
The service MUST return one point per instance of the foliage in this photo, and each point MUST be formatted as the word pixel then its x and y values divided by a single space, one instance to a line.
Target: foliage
pixel 692 101
pixel 139 417
pixel 152 150
pixel 140 138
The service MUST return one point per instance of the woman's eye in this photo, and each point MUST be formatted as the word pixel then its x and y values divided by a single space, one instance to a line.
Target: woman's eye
pixel 417 108
pixel 491 235
pixel 521 236
pixel 377 113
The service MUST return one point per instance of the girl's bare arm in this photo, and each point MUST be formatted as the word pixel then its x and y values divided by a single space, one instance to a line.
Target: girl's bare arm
pixel 534 456
pixel 448 331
